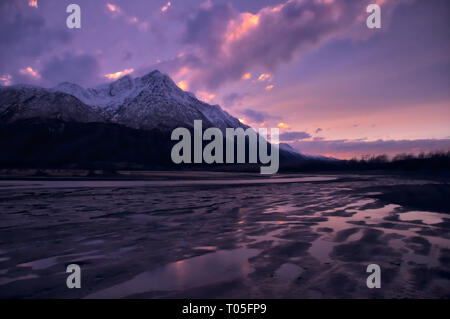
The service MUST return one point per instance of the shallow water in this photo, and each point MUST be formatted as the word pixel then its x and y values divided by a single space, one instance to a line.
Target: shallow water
pixel 289 237
pixel 158 183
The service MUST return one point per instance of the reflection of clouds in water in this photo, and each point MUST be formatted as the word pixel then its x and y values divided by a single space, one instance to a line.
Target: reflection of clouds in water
pixel 212 268
pixel 425 217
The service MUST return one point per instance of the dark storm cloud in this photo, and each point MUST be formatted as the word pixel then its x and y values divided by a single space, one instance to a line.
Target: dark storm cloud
pixel 294 136
pixel 81 69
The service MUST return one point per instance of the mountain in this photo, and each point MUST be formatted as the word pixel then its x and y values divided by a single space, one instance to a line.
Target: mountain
pixel 53 143
pixel 123 124
pixel 17 103
pixel 290 153
pixel 286 147
pixel 151 101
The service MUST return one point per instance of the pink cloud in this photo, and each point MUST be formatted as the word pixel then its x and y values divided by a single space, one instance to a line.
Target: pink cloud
pixel 228 44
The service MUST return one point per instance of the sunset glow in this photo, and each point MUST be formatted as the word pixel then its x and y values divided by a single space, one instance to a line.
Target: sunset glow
pixel 205 96
pixel 183 85
pixel 33 3
pixel 5 79
pixel 117 75
pixel 166 7
pixel 242 26
pixel 30 72
pixel 265 77
pixel 113 8
pixel 283 125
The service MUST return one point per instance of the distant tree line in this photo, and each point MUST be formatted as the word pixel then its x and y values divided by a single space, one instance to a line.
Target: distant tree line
pixel 433 161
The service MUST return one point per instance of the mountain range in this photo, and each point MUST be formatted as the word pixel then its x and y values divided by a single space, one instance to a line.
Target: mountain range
pixel 151 101
pixel 125 124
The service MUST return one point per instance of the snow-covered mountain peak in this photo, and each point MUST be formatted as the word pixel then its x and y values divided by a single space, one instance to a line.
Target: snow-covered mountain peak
pixel 122 85
pixel 112 95
pixel 156 77
pixel 149 101
pixel 72 89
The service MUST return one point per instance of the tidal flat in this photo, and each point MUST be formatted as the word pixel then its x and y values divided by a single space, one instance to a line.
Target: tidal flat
pixel 288 236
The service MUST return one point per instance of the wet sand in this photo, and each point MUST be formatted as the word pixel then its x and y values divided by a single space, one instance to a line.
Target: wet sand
pixel 288 237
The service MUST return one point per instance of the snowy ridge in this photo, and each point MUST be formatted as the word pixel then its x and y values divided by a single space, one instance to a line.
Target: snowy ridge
pixel 153 100
pixel 24 102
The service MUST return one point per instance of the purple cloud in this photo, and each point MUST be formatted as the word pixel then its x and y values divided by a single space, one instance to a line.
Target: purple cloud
pixel 228 44
pixel 25 35
pixel 257 116
pixel 82 69
pixel 233 98
pixel 294 136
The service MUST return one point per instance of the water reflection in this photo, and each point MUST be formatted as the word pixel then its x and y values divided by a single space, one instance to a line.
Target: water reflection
pixel 212 268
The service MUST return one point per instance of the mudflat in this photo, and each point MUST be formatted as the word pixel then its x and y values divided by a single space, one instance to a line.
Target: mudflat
pixel 291 236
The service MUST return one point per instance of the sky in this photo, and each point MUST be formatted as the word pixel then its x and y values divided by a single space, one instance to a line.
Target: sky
pixel 310 67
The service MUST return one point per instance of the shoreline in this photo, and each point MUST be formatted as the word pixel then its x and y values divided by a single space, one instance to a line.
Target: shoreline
pixel 148 175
